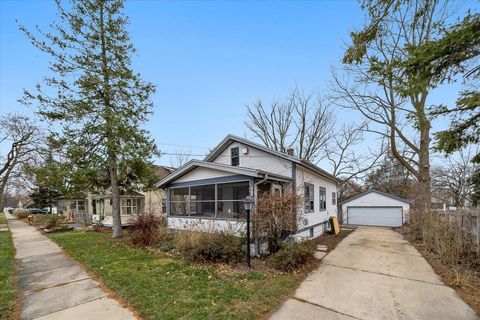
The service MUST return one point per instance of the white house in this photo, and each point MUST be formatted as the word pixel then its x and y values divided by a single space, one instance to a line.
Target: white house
pixel 208 195
pixel 375 208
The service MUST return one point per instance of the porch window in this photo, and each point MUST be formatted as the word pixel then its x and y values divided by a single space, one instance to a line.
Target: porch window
pixel 78 206
pixel 235 156
pixel 334 198
pixel 323 198
pixel 309 196
pixel 214 200
pixel 230 199
pixel 130 205
pixel 179 199
pixel 202 200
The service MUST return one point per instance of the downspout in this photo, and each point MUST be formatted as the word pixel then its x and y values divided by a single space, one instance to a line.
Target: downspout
pixel 255 233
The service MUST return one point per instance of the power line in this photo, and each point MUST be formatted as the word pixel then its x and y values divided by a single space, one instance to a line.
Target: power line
pixel 181 145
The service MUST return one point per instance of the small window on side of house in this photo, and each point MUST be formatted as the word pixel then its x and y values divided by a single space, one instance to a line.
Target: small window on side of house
pixel 309 197
pixel 235 156
pixel 323 198
pixel 334 198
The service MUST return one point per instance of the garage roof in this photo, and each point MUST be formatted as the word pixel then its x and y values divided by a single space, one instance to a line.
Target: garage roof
pixel 376 191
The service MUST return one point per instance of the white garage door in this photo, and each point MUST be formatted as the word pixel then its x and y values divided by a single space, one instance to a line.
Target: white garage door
pixel 375 216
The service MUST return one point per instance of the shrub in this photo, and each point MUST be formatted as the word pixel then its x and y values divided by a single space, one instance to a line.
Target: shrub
pixel 21 214
pixel 145 230
pixel 52 221
pixel 216 247
pixel 290 258
pixel 276 218
pixel 445 235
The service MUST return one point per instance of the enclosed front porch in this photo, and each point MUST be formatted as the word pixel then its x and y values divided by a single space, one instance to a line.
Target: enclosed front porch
pixel 131 204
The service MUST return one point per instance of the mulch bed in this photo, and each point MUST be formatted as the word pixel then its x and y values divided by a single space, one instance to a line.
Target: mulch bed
pixel 330 240
pixel 465 281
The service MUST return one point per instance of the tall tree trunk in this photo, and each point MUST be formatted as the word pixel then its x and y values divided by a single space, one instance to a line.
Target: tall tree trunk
pixel 116 217
pixel 117 231
pixel 4 181
pixel 424 181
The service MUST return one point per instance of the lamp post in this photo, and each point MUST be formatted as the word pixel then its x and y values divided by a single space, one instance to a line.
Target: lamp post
pixel 247 204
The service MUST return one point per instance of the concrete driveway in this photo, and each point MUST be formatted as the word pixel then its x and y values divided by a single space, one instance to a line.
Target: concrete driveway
pixel 374 274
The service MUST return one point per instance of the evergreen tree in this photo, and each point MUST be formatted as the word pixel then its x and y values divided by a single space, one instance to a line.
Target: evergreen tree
pixel 93 94
pixel 44 197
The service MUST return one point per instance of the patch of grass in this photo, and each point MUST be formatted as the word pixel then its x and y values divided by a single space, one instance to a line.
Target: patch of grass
pixel 161 286
pixel 7 285
pixel 3 220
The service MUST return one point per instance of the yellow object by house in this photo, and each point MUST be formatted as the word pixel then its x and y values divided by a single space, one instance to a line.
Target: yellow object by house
pixel 335 226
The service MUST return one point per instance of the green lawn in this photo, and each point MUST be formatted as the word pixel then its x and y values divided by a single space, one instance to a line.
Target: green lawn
pixel 159 286
pixel 7 285
pixel 3 220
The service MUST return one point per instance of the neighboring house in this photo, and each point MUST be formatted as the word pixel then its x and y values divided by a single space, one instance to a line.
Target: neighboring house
pixel 375 208
pixel 208 195
pixel 442 203
pixel 98 206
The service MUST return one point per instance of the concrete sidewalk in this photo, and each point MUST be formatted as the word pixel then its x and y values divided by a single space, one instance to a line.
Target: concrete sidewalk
pixel 374 274
pixel 51 285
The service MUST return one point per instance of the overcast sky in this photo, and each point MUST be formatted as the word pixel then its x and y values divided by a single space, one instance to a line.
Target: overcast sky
pixel 208 60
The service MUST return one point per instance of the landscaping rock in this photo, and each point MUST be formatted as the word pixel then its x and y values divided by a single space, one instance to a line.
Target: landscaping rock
pixel 322 248
pixel 319 255
pixel 58 229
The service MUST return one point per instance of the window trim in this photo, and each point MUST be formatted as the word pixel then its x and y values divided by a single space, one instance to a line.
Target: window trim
pixel 322 203
pixel 311 197
pixel 237 157
pixel 135 205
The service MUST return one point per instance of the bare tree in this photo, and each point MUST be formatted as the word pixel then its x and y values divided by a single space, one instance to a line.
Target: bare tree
pixel 179 158
pixel 300 122
pixel 346 162
pixel 453 178
pixel 382 89
pixel 24 139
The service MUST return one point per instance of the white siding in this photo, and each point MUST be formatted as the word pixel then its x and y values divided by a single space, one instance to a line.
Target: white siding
pixel 257 159
pixel 208 225
pixel 203 173
pixel 305 175
pixel 374 199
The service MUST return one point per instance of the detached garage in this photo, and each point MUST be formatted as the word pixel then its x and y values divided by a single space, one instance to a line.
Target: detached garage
pixel 375 208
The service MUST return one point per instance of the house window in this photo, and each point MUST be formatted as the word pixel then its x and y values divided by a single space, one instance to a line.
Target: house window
pixel 78 206
pixel 164 205
pixel 309 196
pixel 130 205
pixel 94 207
pixel 323 198
pixel 334 198
pixel 235 156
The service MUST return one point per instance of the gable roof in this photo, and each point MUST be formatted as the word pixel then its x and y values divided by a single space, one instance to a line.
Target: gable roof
pixel 193 164
pixel 378 192
pixel 163 171
pixel 228 140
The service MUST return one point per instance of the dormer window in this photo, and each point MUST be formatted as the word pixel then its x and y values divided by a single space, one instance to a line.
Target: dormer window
pixel 235 156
